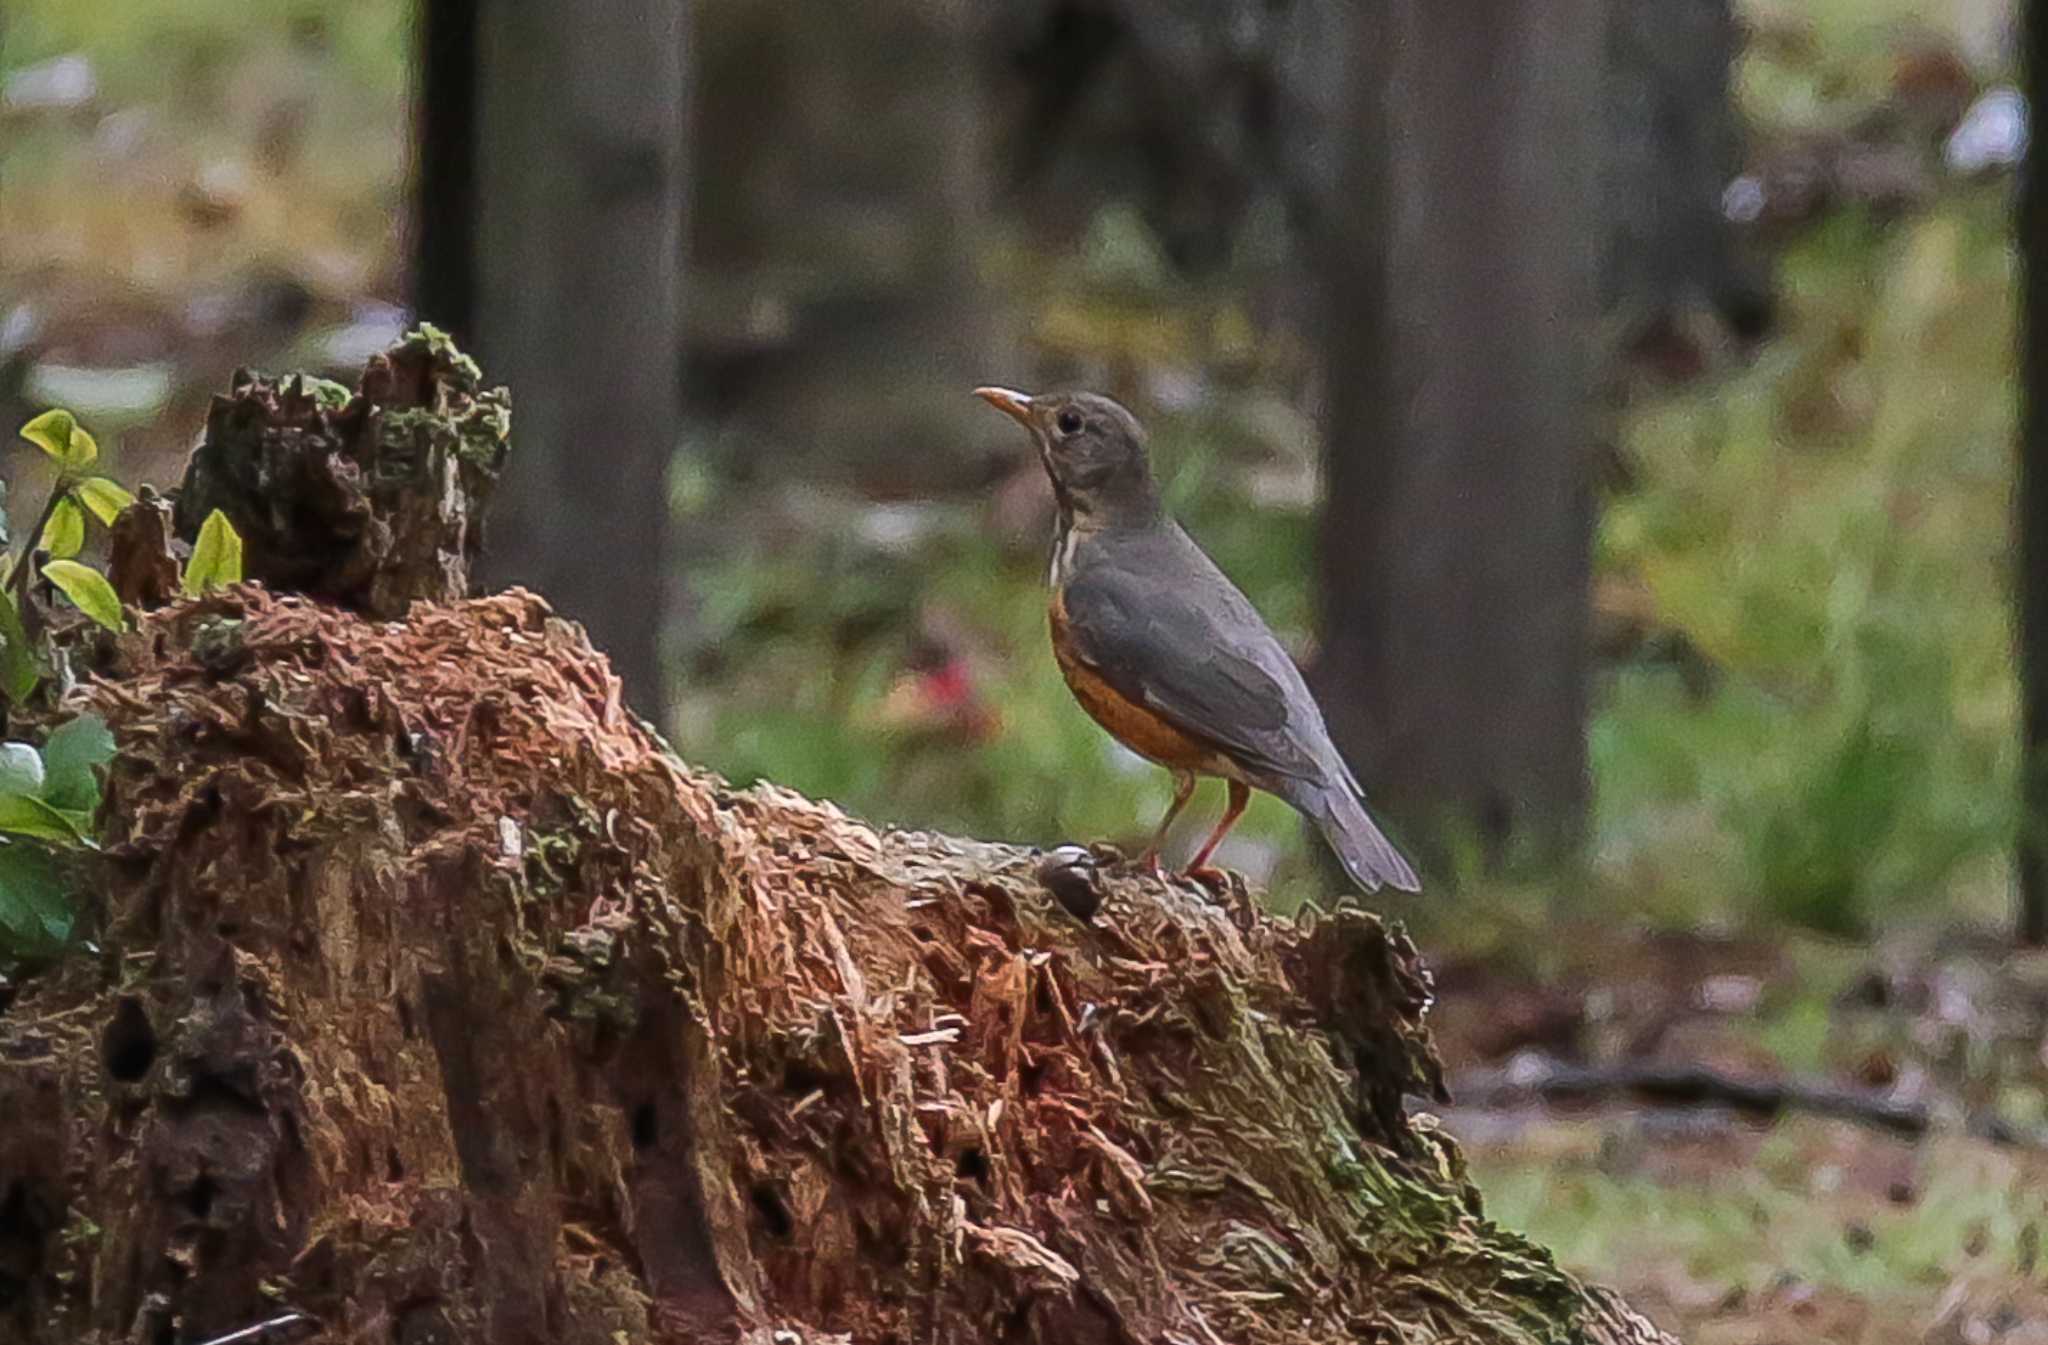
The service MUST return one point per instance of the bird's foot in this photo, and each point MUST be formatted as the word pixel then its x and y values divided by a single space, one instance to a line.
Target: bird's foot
pixel 1216 880
pixel 1149 863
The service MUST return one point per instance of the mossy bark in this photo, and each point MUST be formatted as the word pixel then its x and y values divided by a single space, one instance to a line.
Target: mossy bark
pixel 371 499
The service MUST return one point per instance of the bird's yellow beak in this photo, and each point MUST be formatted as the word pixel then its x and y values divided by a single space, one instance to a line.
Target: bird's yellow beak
pixel 1015 405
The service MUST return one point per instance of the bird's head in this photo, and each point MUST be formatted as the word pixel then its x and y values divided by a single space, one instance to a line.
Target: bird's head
pixel 1092 448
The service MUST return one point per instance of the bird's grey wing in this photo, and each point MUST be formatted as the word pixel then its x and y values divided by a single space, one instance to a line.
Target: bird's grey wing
pixel 1187 652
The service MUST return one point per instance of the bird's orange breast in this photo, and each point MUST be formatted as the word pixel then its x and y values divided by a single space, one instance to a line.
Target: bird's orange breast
pixel 1130 723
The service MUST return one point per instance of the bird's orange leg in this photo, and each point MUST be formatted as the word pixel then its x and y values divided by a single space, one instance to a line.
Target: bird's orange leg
pixel 1240 795
pixel 1183 790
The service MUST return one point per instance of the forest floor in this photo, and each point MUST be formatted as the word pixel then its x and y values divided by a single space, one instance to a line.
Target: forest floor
pixel 1730 1227
pixel 1802 750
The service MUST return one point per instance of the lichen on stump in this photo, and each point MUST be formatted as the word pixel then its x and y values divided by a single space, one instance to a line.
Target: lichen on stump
pixel 372 499
pixel 433 998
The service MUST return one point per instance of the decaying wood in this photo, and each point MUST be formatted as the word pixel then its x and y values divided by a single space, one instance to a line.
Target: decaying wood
pixel 371 499
pixel 434 999
pixel 143 563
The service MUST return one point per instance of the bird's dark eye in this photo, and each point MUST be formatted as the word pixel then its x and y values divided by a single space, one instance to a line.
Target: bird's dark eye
pixel 1069 422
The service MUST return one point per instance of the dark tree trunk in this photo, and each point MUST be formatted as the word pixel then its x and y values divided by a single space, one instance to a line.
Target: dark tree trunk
pixel 1456 539
pixel 842 315
pixel 444 166
pixel 551 242
pixel 1202 111
pixel 2033 496
pixel 1673 143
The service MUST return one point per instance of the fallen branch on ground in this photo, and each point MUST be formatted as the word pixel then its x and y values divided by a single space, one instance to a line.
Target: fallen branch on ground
pixel 1693 1085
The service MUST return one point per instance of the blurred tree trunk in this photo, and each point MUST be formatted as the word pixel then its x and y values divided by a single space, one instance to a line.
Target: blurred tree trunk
pixel 1456 539
pixel 1673 145
pixel 1208 113
pixel 2033 493
pixel 840 315
pixel 551 243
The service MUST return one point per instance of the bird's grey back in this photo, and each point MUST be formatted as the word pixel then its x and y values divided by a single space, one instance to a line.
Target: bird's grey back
pixel 1234 629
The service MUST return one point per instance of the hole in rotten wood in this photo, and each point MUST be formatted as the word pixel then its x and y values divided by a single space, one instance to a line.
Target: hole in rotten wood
pixel 129 1044
pixel 768 1204
pixel 799 1078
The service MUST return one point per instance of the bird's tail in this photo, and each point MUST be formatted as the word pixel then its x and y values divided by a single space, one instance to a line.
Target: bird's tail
pixel 1367 855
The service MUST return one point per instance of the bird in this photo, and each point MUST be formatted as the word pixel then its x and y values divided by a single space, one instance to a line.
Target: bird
pixel 1169 656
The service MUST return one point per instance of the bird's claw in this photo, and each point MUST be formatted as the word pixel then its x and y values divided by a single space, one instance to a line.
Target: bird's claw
pixel 1216 880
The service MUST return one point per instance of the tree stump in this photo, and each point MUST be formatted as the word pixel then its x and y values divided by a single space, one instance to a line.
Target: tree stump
pixel 436 1000
pixel 431 999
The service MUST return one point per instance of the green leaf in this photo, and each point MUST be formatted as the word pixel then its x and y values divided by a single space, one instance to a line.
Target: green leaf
pixel 75 747
pixel 36 912
pixel 51 432
pixel 58 434
pixel 106 498
pixel 64 534
pixel 89 590
pixel 84 450
pixel 20 670
pixel 25 815
pixel 21 769
pixel 216 556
